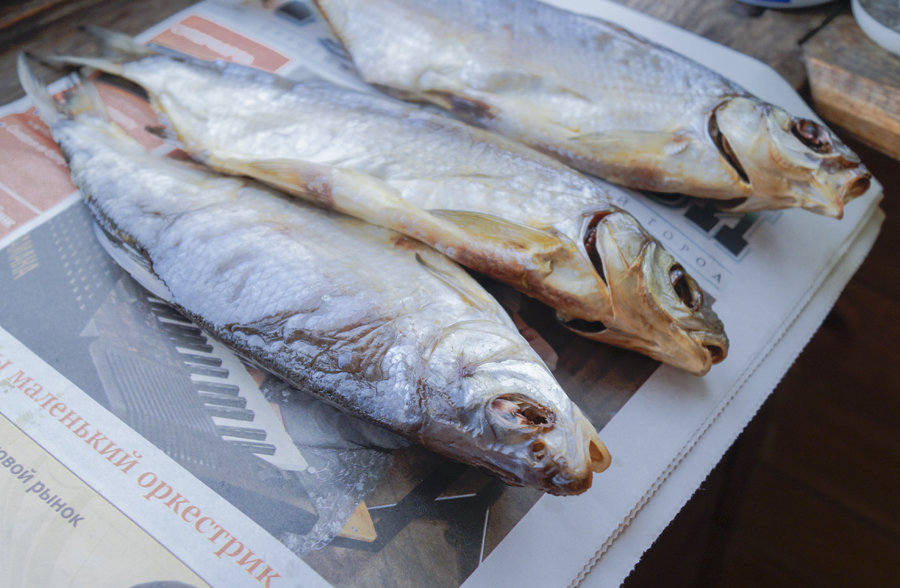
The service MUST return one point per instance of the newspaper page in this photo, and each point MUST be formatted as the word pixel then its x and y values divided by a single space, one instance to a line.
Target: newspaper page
pixel 114 432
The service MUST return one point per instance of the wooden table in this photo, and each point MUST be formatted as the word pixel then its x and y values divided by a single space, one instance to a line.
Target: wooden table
pixel 808 495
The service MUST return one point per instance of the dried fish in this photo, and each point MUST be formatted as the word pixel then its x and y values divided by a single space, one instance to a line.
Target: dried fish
pixel 600 98
pixel 489 203
pixel 361 316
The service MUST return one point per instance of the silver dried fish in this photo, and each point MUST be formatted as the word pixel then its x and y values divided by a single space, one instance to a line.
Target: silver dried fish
pixel 361 316
pixel 599 98
pixel 489 203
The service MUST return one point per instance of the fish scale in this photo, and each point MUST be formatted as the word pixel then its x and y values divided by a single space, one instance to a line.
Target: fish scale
pixel 493 205
pixel 599 98
pixel 355 314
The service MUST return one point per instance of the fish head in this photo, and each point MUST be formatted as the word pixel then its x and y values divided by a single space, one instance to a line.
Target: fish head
pixel 657 308
pixel 784 160
pixel 503 410
pixel 559 445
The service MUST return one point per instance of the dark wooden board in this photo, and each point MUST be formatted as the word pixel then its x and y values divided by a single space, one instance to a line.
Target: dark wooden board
pixel 54 27
pixel 855 84
pixel 770 36
pixel 808 494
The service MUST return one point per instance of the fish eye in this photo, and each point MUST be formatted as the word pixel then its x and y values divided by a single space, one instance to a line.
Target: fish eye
pixel 812 134
pixel 691 297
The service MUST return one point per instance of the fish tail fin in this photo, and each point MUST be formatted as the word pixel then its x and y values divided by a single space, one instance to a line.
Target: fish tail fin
pixel 103 64
pixel 117 49
pixel 83 98
pixel 50 109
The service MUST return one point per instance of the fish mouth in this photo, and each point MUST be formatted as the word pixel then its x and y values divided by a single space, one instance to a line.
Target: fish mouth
pixel 717 350
pixel 843 187
pixel 561 478
pixel 696 353
pixel 713 349
pixel 552 456
pixel 852 189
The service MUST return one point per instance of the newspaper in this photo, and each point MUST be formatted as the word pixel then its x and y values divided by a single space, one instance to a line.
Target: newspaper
pixel 94 470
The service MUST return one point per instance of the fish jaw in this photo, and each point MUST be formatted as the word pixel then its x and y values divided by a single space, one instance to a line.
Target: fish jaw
pixel 789 162
pixel 656 307
pixel 507 414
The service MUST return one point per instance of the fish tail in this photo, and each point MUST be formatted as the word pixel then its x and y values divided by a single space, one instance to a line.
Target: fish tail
pixel 117 49
pixel 80 99
pixel 103 64
pixel 48 107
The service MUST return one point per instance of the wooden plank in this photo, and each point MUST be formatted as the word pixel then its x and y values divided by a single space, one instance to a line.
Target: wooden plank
pixel 57 31
pixel 878 272
pixel 792 528
pixel 681 550
pixel 751 567
pixel 770 36
pixel 836 421
pixel 855 84
pixel 16 13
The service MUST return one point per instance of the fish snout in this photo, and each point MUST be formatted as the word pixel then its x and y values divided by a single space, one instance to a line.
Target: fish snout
pixel 714 346
pixel 694 352
pixel 831 188
pixel 566 473
pixel 561 455
pixel 847 185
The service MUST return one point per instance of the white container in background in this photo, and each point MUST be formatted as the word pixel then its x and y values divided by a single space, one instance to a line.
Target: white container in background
pixel 880 20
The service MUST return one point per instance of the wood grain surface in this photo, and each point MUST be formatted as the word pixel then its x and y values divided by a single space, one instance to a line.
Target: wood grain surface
pixel 56 29
pixel 770 36
pixel 855 84
pixel 808 494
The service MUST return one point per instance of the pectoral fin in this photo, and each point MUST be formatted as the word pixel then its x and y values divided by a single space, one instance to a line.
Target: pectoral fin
pixel 357 194
pixel 540 263
pixel 498 233
pixel 475 298
pixel 625 140
pixel 310 181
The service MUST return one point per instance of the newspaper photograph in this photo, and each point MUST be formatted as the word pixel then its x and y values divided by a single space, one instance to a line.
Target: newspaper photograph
pixel 131 435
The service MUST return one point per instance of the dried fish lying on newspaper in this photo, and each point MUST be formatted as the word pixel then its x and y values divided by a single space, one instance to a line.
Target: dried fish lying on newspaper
pixel 491 204
pixel 359 315
pixel 599 98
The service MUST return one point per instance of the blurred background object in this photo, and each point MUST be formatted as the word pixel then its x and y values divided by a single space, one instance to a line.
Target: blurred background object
pixel 880 20
pixel 785 3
